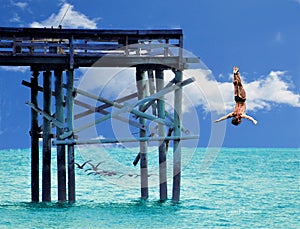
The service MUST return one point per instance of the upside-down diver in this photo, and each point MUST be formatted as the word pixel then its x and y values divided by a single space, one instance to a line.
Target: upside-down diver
pixel 239 110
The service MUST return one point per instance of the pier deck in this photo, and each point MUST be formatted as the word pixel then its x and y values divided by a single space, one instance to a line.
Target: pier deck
pixel 73 48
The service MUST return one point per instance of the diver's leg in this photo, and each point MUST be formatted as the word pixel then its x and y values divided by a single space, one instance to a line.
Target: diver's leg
pixel 241 91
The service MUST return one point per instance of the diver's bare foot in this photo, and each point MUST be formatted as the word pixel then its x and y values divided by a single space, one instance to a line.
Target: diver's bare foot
pixel 235 69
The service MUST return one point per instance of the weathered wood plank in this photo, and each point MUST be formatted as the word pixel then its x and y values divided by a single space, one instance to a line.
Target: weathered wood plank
pixel 121 140
pixel 97 34
pixel 70 119
pixel 159 74
pixel 177 143
pixel 34 140
pixel 46 171
pixel 97 46
pixel 45 115
pixel 41 60
pixel 141 83
pixel 61 149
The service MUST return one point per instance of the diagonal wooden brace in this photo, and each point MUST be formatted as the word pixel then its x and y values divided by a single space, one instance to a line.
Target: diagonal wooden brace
pixel 47 116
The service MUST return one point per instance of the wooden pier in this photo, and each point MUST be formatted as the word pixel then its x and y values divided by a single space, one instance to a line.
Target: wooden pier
pixel 56 53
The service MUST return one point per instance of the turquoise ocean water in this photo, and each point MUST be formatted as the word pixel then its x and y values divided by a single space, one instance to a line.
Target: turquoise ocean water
pixel 243 188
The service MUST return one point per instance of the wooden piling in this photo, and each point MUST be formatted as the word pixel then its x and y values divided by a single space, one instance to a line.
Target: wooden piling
pixel 177 143
pixel 34 140
pixel 159 74
pixel 152 88
pixel 70 119
pixel 61 149
pixel 141 89
pixel 46 172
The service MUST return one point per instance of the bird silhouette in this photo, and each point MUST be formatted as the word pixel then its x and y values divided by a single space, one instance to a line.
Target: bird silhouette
pixel 82 166
pixel 95 168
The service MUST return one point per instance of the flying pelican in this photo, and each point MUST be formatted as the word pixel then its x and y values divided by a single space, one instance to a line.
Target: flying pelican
pixel 95 168
pixel 81 166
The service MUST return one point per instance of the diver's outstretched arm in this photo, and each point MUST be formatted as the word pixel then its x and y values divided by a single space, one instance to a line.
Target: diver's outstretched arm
pixel 250 118
pixel 225 117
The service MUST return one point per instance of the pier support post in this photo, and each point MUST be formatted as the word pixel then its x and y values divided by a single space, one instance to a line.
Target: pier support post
pixel 162 133
pixel 46 178
pixel 61 151
pixel 141 89
pixel 177 143
pixel 152 88
pixel 70 119
pixel 34 140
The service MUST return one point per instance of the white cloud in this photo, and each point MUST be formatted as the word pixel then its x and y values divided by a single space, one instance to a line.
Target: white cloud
pixel 213 96
pixel 71 18
pixel 273 89
pixel 21 5
pixel 264 93
pixel 15 68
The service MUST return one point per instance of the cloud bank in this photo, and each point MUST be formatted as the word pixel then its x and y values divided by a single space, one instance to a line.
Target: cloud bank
pixel 272 90
pixel 71 19
pixel 262 94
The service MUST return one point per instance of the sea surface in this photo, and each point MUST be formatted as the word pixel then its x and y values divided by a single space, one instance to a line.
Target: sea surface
pixel 237 188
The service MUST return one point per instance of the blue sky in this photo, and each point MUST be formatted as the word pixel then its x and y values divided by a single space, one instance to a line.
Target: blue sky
pixel 262 37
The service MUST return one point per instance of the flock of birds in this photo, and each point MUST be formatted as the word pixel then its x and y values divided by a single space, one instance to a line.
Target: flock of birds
pixel 96 170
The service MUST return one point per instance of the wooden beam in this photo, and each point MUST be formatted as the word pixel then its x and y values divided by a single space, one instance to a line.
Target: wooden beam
pixel 45 115
pixel 49 61
pixel 46 178
pixel 70 118
pixel 141 89
pixel 151 89
pixel 92 34
pixel 34 140
pixel 121 140
pixel 71 52
pixel 61 149
pixel 159 74
pixel 177 143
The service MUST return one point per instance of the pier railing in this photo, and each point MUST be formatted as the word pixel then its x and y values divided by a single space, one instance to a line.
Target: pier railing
pixel 72 48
